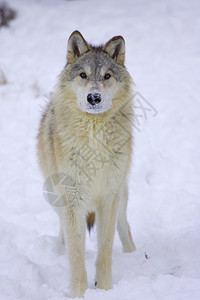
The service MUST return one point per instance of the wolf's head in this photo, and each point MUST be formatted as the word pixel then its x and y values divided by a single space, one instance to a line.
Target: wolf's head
pixel 95 74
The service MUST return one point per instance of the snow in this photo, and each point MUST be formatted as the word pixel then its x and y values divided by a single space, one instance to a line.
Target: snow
pixel 163 57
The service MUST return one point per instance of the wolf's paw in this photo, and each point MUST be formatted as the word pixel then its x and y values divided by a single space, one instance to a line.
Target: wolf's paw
pixel 78 287
pixel 103 284
pixel 78 292
pixel 129 247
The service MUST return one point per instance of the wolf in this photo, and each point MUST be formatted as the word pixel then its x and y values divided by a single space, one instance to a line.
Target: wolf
pixel 85 146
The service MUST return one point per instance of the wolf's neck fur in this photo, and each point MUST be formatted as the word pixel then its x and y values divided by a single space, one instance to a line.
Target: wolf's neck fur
pixel 84 124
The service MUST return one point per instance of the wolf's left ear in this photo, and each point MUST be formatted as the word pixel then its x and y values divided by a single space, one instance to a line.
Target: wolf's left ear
pixel 76 46
pixel 115 47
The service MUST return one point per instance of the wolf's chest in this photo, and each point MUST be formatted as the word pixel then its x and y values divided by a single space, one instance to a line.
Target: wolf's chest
pixel 97 160
pixel 96 168
pixel 90 160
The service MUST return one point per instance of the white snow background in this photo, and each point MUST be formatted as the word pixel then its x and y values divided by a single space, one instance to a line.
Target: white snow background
pixel 163 57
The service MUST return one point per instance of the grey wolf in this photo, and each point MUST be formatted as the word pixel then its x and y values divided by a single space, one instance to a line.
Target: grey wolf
pixel 89 110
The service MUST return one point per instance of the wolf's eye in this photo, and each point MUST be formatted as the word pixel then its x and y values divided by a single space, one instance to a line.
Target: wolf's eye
pixel 83 75
pixel 107 76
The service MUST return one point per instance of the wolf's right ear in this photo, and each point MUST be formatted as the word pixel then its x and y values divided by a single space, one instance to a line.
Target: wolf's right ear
pixel 76 46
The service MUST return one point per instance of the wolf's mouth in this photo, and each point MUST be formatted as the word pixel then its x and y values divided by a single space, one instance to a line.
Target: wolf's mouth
pixel 95 109
pixel 95 106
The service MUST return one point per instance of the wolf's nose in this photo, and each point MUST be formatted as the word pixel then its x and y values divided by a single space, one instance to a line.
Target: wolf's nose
pixel 94 98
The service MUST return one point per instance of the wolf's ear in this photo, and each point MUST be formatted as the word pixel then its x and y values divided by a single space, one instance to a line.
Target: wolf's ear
pixel 76 46
pixel 115 47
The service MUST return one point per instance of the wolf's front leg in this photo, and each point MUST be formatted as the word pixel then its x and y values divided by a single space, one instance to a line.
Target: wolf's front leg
pixel 106 221
pixel 73 224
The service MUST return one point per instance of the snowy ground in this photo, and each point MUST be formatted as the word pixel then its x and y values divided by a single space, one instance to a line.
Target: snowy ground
pixel 163 57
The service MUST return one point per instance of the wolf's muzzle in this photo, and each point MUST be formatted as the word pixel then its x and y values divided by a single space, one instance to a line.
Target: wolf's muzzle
pixel 94 98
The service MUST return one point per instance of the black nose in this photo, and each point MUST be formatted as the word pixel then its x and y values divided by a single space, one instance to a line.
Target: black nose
pixel 94 98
